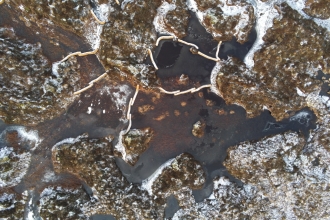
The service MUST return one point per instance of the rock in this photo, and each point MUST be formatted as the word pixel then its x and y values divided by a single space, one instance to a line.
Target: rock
pixel 15 154
pixel 198 129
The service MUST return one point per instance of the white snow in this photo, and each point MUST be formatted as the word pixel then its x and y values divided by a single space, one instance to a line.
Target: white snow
pixel 89 110
pixel 29 211
pixel 119 146
pixel 124 3
pixel 5 151
pixel 213 78
pixel 299 5
pixel 55 68
pixel 67 141
pixel 300 93
pixel 49 176
pixel 93 31
pixel 159 18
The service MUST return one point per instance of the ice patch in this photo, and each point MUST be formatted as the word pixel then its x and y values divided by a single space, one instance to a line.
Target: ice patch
pixel 301 117
pixel 147 183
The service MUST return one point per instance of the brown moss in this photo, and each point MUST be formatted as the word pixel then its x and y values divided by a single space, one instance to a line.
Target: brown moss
pixel 176 21
pixel 223 27
pixel 184 171
pixel 136 142
pixel 71 14
pixel 317 8
pixel 294 49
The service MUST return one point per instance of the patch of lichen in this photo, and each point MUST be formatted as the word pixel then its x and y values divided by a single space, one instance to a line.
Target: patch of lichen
pixel 317 8
pixel 30 93
pixel 70 14
pixel 224 27
pixel 136 142
pixel 184 171
pixel 274 160
pixel 176 21
pixel 63 203
pixel 287 64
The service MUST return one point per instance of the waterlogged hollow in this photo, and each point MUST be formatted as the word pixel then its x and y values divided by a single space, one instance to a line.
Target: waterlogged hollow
pixel 177 145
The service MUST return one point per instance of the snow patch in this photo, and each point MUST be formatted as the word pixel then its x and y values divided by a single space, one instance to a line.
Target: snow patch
pixel 93 30
pixel 24 135
pixel 160 17
pixel 54 70
pixel 300 93
pixel 299 5
pixel 68 141
pixel 213 78
pixel 119 146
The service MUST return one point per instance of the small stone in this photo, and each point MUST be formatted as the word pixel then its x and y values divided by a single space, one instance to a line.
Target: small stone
pixel 199 129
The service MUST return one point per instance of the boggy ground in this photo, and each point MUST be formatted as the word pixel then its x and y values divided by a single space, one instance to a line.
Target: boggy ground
pixel 68 165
